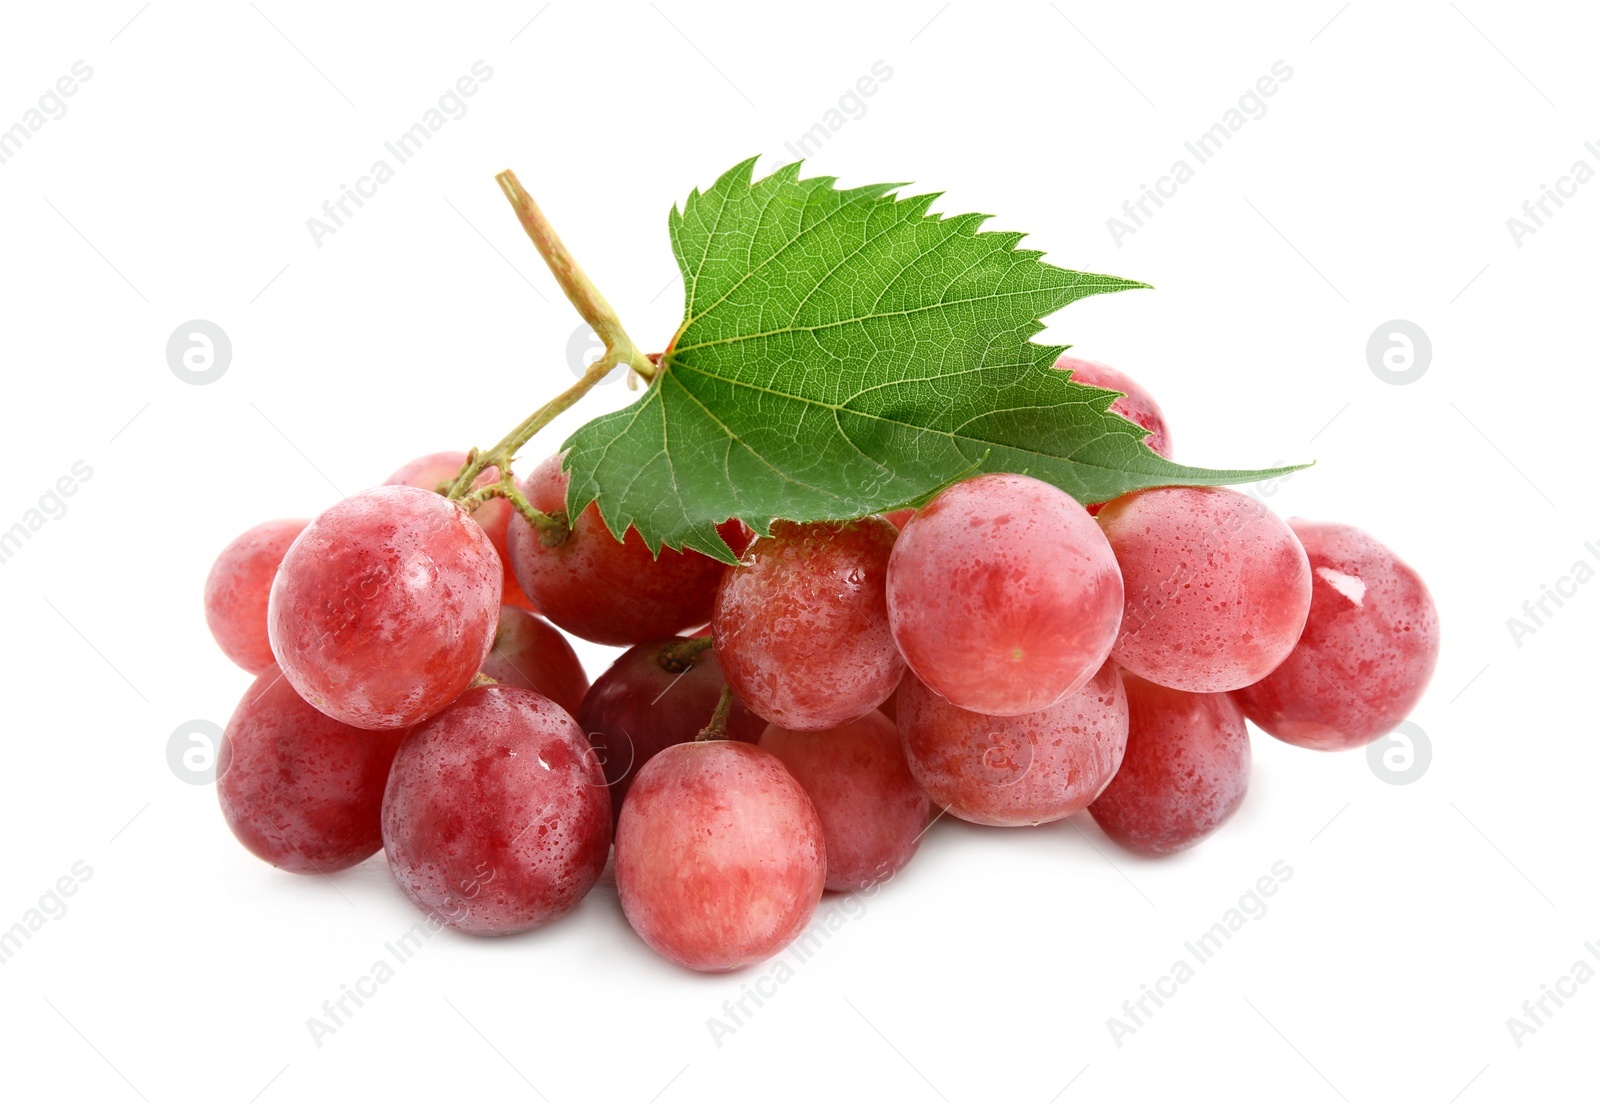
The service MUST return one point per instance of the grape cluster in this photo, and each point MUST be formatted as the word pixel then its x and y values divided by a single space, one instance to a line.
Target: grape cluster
pixel 1001 653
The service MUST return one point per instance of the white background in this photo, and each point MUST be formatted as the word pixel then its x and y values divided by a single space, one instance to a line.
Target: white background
pixel 1377 186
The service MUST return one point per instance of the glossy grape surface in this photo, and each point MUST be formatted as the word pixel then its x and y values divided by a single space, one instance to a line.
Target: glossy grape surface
pixel 646 702
pixel 494 516
pixel 530 653
pixel 1004 596
pixel 237 589
pixel 300 790
pixel 1367 652
pixel 496 818
pixel 1016 770
pixel 872 811
pixel 720 857
pixel 1218 587
pixel 1185 771
pixel 598 588
pixel 802 623
pixel 385 607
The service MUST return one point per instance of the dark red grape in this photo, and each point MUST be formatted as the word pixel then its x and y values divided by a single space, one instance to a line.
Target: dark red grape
pixel 1016 770
pixel 655 695
pixel 1185 771
pixel 496 818
pixel 802 625
pixel 530 653
pixel 593 586
pixel 300 790
pixel 872 811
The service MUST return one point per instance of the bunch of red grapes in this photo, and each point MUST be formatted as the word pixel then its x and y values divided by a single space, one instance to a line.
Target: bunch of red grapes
pixel 1003 654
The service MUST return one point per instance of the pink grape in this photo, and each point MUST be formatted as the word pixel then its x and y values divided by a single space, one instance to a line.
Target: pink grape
pixel 647 701
pixel 1367 653
pixel 721 856
pixel 900 518
pixel 802 625
pixel 1136 404
pixel 1016 770
pixel 300 790
pixel 237 588
pixel 530 653
pixel 1218 587
pixel 607 591
pixel 496 818
pixel 1004 596
pixel 494 516
pixel 1185 771
pixel 385 607
pixel 872 811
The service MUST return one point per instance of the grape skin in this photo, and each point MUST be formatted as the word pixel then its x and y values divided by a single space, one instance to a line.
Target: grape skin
pixel 496 818
pixel 1218 587
pixel 639 706
pixel 494 516
pixel 872 811
pixel 300 790
pixel 720 858
pixel 237 588
pixel 385 607
pixel 801 624
pixel 1367 652
pixel 1185 771
pixel 1004 596
pixel 530 653
pixel 1016 770
pixel 600 589
pixel 1136 404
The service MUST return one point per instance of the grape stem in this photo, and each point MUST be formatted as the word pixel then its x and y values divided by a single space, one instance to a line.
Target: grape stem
pixel 679 656
pixel 717 729
pixel 552 528
pixel 580 290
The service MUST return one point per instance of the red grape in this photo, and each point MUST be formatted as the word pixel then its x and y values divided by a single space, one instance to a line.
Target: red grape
pixel 237 588
pixel 1217 587
pixel 720 855
pixel 1016 770
pixel 298 789
pixel 385 607
pixel 496 816
pixel 1136 405
pixel 1185 771
pixel 1367 652
pixel 872 811
pixel 494 516
pixel 598 588
pixel 1003 595
pixel 530 653
pixel 900 518
pixel 802 625
pixel 650 699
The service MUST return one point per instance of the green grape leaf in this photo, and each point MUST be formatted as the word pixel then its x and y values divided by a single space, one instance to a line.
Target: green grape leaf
pixel 843 352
